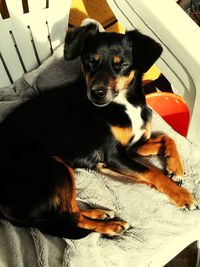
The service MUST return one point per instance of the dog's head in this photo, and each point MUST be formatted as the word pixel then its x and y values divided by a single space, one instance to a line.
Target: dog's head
pixel 109 59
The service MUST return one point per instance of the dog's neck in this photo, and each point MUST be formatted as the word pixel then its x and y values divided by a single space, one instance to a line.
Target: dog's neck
pixel 135 93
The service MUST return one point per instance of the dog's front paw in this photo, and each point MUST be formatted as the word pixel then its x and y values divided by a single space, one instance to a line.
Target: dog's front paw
pixel 174 168
pixel 111 227
pixel 182 198
pixel 114 228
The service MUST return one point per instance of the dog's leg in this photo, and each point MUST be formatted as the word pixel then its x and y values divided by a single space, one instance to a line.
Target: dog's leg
pixel 122 166
pixel 165 146
pixel 92 219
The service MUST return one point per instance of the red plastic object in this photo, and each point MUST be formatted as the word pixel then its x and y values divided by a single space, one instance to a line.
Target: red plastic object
pixel 172 108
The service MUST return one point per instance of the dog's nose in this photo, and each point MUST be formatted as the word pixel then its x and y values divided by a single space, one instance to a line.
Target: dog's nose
pixel 99 92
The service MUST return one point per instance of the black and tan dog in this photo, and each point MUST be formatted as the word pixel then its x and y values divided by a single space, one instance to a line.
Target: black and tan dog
pixel 98 122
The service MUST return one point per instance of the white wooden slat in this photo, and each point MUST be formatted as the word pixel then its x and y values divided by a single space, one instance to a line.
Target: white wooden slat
pixel 9 54
pixel 37 22
pixel 38 18
pixel 20 22
pixel 4 80
pixel 57 16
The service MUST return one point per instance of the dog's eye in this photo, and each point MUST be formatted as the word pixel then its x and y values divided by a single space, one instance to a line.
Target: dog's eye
pixel 93 60
pixel 92 63
pixel 121 65
pixel 116 66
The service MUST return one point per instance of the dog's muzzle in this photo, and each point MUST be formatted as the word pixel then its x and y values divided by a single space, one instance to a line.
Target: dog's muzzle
pixel 101 95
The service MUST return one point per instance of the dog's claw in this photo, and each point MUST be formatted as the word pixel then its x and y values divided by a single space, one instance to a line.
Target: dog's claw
pixel 174 178
pixel 187 206
pixel 191 207
pixel 171 175
pixel 179 182
pixel 109 214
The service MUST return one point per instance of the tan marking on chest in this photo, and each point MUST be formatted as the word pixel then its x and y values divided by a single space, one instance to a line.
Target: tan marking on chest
pixel 122 134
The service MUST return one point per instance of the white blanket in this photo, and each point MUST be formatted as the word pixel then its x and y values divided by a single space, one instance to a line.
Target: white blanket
pixel 158 229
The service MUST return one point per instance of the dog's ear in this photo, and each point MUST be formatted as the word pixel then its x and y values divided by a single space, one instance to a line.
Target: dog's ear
pixel 75 38
pixel 145 50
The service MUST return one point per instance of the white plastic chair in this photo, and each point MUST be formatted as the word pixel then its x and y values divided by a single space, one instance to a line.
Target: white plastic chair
pixel 28 36
pixel 166 22
pixel 29 32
